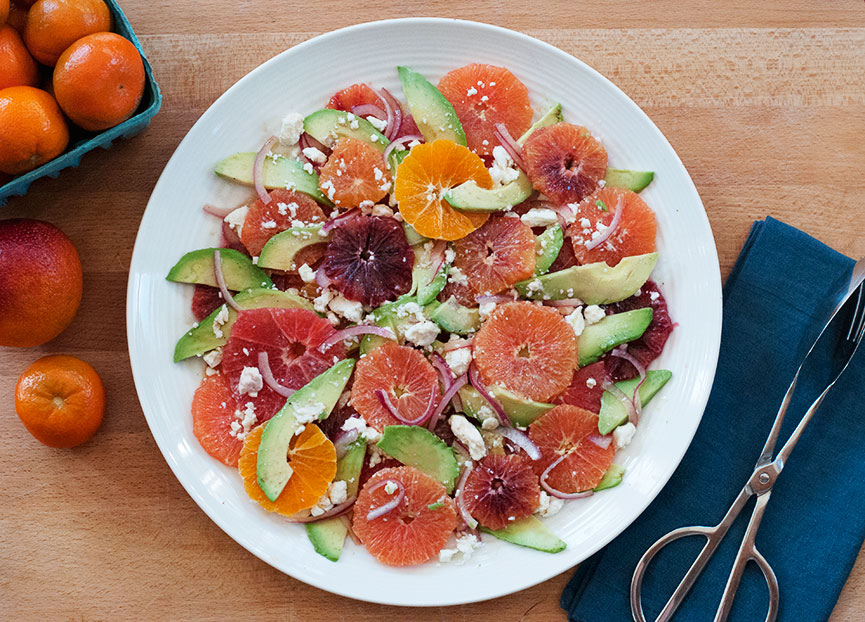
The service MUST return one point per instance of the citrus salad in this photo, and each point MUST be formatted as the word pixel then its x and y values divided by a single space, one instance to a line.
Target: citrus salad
pixel 421 329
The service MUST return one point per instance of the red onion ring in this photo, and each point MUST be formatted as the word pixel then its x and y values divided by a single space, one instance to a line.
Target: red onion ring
pixel 269 379
pixel 400 142
pixel 220 281
pixel 443 369
pixel 331 224
pixel 522 440
pixel 385 401
pixel 507 141
pixel 449 394
pixel 623 353
pixel 633 416
pixel 564 302
pixel 460 498
pixel 394 113
pixel 219 212
pixel 450 347
pixel 354 331
pixel 336 510
pixel 558 493
pixel 565 214
pixel 614 224
pixel 369 110
pixel 601 441
pixel 437 257
pixel 343 441
pixel 258 170
pixel 390 505
pixel 308 141
pixel 477 383
pixel 321 279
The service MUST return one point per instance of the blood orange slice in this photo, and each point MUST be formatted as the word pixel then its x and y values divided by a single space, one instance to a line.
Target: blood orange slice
pixel 205 300
pixel 290 337
pixel 484 95
pixel 285 208
pixel 354 95
pixel 404 373
pixel 493 258
pixel 213 408
pixel 564 162
pixel 355 172
pixel 634 235
pixel 312 458
pixel 417 529
pixel 569 431
pixel 586 388
pixel 528 349
pixel 501 489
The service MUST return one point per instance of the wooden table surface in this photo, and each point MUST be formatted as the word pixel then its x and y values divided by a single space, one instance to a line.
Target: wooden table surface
pixel 764 102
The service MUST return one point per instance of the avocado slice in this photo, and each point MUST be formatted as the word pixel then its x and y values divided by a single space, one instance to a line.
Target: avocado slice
pixel 386 316
pixel 469 197
pixel 613 412
pixel 200 339
pixel 239 271
pixel 279 252
pixel 434 115
pixel 425 283
pixel 551 117
pixel 594 283
pixel 327 126
pixel 629 180
pixel 348 467
pixel 531 533
pixel 453 317
pixel 320 395
pixel 521 411
pixel 611 479
pixel 548 245
pixel 411 236
pixel 612 331
pixel 279 172
pixel 417 447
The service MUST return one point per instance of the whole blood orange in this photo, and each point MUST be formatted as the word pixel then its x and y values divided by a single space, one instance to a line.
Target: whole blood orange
pixel 99 80
pixel 40 282
pixel 17 67
pixel 4 11
pixel 60 400
pixel 32 129
pixel 53 25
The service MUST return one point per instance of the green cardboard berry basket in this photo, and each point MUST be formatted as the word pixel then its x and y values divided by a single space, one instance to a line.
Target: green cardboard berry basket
pixel 80 141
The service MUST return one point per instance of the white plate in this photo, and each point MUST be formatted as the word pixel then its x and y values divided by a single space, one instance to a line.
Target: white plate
pixel 301 79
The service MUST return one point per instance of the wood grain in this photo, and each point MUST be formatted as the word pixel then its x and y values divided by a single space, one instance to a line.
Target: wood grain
pixel 764 102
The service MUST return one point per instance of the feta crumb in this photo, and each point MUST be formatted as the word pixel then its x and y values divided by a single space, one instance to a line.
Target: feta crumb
pixel 218 321
pixel 268 224
pixel 472 91
pixel 290 129
pixel 244 421
pixel 213 358
pixel 321 301
pixel 377 123
pixel 375 455
pixel 485 309
pixel 422 333
pixel 358 423
pixel 653 296
pixel 316 155
pixel 308 168
pixel 235 218
pixel 469 436
pixel 593 314
pixel 549 505
pixel 585 223
pixel 459 360
pixel 250 382
pixel 534 286
pixel 336 493
pixel 591 383
pixel 446 555
pixel 382 210
pixel 306 273
pixel 539 217
pixel 576 320
pixel 490 423
pixel 502 171
pixel 349 309
pixel 390 487
pixel 466 545
pixel 308 413
pixel 455 275
pixel 624 434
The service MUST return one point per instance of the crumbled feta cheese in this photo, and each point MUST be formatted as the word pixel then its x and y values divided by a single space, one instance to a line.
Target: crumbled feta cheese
pixel 585 223
pixel 549 505
pixel 382 210
pixel 485 309
pixel 309 168
pixel 593 314
pixel 308 413
pixel 457 276
pixel 466 545
pixel 306 273
pixel 624 434
pixel 377 123
pixel 502 171
pixel 218 321
pixel 422 333
pixel 213 358
pixel 321 301
pixel 489 423
pixel 250 382
pixel 268 224
pixel 390 487
pixel 375 455
pixel 244 421
pixel 359 424
pixel 446 555
pixel 316 155
pixel 235 218
pixel 576 320
pixel 591 383
pixel 290 129
pixel 472 91
pixel 459 360
pixel 349 309
pixel 469 436
pixel 539 217
pixel 534 286
pixel 336 493
pixel 653 296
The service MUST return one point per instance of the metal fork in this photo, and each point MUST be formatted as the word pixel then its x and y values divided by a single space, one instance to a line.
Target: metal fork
pixel 760 482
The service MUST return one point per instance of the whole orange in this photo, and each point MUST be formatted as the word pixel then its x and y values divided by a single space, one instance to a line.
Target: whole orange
pixel 17 67
pixel 32 129
pixel 53 25
pixel 99 81
pixel 4 11
pixel 17 16
pixel 60 400
pixel 40 282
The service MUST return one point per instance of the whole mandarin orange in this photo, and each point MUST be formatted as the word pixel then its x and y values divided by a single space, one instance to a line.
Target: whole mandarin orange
pixel 40 282
pixel 32 129
pixel 17 67
pixel 17 16
pixel 99 81
pixel 4 11
pixel 60 400
pixel 53 25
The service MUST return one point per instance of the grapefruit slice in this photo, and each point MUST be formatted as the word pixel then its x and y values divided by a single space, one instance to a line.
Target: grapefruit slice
pixel 501 489
pixel 634 235
pixel 564 162
pixel 312 458
pixel 213 408
pixel 528 349
pixel 265 221
pixel 568 430
pixel 484 95
pixel 290 337
pixel 355 172
pixel 586 388
pixel 404 373
pixel 413 532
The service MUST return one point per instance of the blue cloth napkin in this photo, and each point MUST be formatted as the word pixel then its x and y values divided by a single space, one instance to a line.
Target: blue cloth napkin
pixel 782 288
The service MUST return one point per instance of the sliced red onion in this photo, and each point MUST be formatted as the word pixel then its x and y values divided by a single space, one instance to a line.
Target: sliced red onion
pixel 633 416
pixel 219 212
pixel 443 369
pixel 400 142
pixel 451 346
pixel 390 505
pixel 307 141
pixel 258 169
pixel 507 141
pixel 611 229
pixel 220 281
pixel 459 497
pixel 369 110
pixel 354 331
pixel 449 394
pixel 522 440
pixel 348 526
pixel 641 369
pixel 496 298
pixel 601 441
pixel 393 109
pixel 384 398
pixel 558 493
pixel 477 383
pixel 321 279
pixel 564 302
pixel 335 222
pixel 343 441
pixel 566 215
pixel 437 258
pixel 336 510
pixel 269 379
